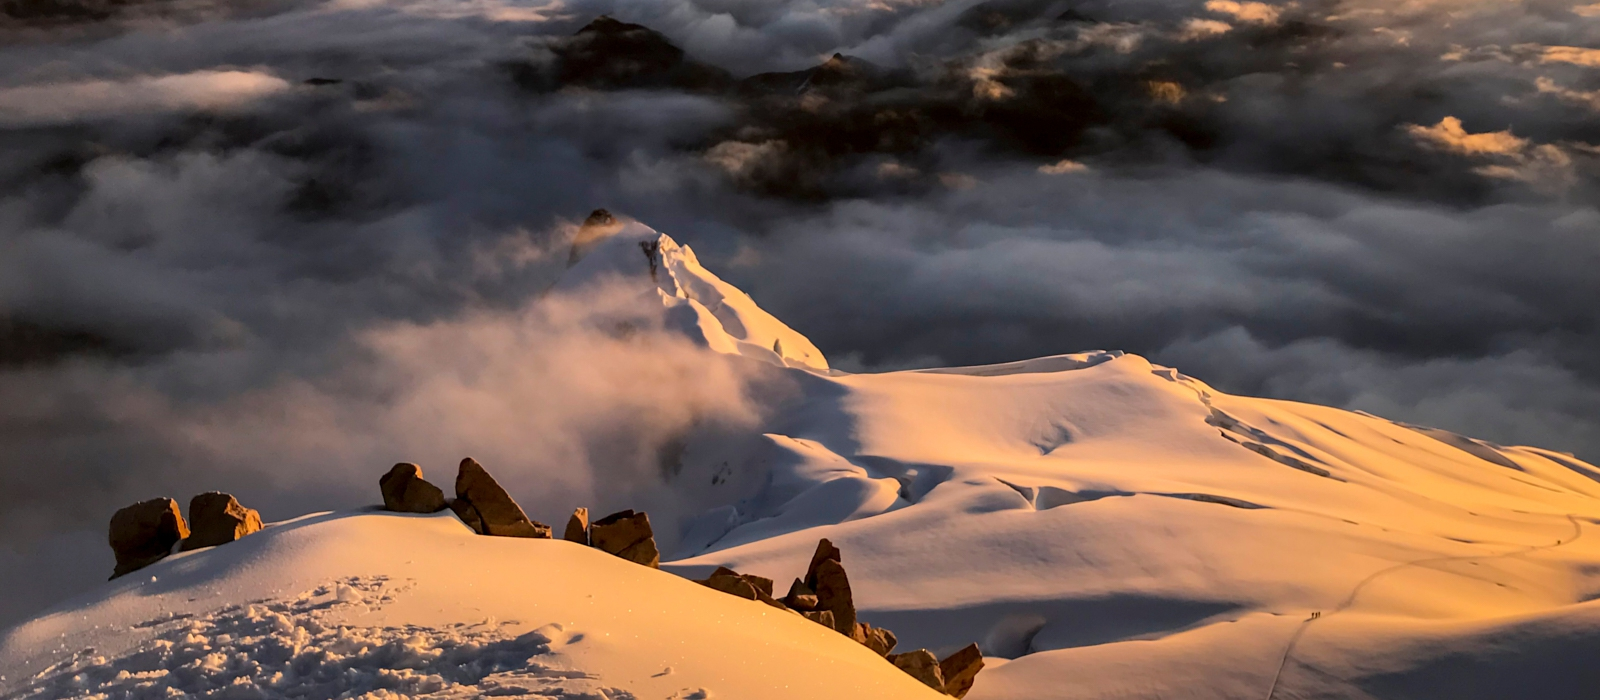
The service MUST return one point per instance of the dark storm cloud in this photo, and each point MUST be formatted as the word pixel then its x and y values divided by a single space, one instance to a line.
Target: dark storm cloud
pixel 242 246
pixel 1318 90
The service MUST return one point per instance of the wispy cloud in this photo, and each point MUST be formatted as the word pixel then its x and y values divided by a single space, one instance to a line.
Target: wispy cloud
pixel 1545 166
pixel 1571 54
pixel 1062 167
pixel 1257 12
pixel 60 103
pixel 1450 135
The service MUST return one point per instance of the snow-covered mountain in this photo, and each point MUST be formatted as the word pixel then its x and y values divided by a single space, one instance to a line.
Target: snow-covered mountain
pixel 1102 526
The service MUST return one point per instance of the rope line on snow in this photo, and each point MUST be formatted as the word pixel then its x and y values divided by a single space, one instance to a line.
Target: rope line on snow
pixel 1288 649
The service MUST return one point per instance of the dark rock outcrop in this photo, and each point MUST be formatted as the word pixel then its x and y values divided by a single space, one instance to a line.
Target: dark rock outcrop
pixel 218 518
pixel 836 76
pixel 825 550
pixel 405 491
pixel 824 597
pixel 960 670
pixel 800 596
pixel 761 583
pixel 921 665
pixel 821 617
pixel 877 639
pixel 599 226
pixel 747 586
pixel 609 54
pixel 469 515
pixel 628 535
pixel 826 576
pixel 143 533
pixel 730 582
pixel 498 514
pixel 578 527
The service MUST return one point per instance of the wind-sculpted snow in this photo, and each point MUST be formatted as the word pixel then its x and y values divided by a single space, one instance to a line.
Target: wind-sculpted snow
pixel 299 648
pixel 1104 527
pixel 1119 529
pixel 386 605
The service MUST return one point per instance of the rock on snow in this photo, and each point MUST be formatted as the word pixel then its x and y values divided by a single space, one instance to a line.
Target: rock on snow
pixel 1104 526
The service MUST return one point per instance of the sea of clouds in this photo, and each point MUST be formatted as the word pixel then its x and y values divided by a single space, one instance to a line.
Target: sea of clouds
pixel 272 247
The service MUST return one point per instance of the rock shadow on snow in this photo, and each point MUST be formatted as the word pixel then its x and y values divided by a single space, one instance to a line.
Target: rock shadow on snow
pixel 1010 629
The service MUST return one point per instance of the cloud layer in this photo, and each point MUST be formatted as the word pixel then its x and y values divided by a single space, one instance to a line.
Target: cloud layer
pixel 272 247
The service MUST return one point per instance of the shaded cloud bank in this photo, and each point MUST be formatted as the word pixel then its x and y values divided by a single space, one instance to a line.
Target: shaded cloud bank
pixel 1291 290
pixel 273 247
pixel 201 91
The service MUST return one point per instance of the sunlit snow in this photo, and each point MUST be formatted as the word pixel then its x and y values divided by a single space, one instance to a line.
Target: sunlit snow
pixel 1102 526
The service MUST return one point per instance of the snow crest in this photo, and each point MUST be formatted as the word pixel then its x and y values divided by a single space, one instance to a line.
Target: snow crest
pixel 713 312
pixel 1105 526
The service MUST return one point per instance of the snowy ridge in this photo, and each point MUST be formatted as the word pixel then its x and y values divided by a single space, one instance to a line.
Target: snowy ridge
pixel 698 302
pixel 1104 526
pixel 344 604
pixel 1120 529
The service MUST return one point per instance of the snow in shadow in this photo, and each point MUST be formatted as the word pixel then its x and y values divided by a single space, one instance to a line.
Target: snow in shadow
pixel 1011 629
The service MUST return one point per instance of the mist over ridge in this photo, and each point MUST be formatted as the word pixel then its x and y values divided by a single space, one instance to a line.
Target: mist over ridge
pixel 211 212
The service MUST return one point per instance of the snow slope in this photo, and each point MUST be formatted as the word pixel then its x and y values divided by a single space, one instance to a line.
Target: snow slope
pixel 421 606
pixel 1104 527
pixel 1121 530
pixel 697 302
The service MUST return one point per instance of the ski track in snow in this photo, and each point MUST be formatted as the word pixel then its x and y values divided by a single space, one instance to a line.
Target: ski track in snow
pixel 296 648
pixel 1305 625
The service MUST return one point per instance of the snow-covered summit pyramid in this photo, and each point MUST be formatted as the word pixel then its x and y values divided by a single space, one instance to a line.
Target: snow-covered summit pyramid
pixel 710 310
pixel 1104 526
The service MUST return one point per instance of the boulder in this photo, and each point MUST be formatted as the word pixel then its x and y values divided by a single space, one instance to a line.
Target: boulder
pixel 727 581
pixel 578 527
pixel 747 586
pixel 405 491
pixel 821 617
pixel 143 533
pixel 469 515
pixel 921 665
pixel 800 597
pixel 628 535
pixel 764 596
pixel 960 670
pixel 825 551
pixel 761 583
pixel 500 516
pixel 875 638
pixel 218 518
pixel 833 594
pixel 826 576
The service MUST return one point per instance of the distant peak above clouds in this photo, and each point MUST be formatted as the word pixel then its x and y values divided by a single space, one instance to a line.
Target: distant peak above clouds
pixel 612 250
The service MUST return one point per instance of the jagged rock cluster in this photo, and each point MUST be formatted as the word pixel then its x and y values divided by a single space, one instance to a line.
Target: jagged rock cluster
pixel 485 507
pixel 145 532
pixel 823 597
